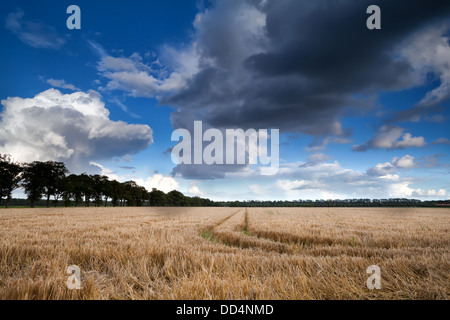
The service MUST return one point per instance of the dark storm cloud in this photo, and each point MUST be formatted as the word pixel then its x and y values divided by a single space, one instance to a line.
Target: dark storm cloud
pixel 330 43
pixel 314 60
pixel 300 70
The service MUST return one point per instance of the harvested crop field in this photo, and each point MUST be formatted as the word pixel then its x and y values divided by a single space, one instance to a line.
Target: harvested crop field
pixel 225 253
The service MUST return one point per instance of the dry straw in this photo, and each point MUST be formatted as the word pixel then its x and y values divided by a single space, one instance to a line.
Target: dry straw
pixel 224 253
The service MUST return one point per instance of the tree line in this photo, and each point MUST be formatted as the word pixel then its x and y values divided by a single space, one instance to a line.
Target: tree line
pixel 52 181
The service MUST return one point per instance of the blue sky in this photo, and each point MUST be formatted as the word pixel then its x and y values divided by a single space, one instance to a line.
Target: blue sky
pixel 361 114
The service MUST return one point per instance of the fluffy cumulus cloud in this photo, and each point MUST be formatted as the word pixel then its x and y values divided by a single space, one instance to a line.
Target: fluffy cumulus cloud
pixel 160 182
pixel 74 128
pixel 381 169
pixel 429 193
pixel 388 168
pixel 195 191
pixel 403 190
pixel 405 162
pixel 33 33
pixel 391 137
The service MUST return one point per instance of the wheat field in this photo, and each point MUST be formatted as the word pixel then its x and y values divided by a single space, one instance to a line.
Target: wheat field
pixel 225 253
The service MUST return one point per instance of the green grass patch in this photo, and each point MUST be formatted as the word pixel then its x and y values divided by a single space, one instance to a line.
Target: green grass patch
pixel 248 233
pixel 208 235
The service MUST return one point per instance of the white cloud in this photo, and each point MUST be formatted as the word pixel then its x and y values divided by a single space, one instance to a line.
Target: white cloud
pixel 160 182
pixel 391 137
pixel 403 190
pixel 323 180
pixel 139 79
pixel 381 169
pixel 405 162
pixel 399 190
pixel 74 128
pixel 33 33
pixel 291 184
pixel 386 169
pixel 408 141
pixel 62 84
pixel 195 191
pixel 107 172
pixel 339 183
pixel 390 177
pixel 429 193
pixel 429 50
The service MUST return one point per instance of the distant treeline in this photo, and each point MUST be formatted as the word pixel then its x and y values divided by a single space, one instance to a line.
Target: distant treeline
pixel 50 184
pixel 168 200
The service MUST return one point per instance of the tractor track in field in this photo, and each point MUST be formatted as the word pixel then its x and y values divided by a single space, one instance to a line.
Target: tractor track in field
pixel 227 218
pixel 240 235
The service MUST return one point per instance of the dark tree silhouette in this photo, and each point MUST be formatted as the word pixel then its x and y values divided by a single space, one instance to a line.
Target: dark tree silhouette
pixel 55 173
pixel 99 188
pixel 134 194
pixel 116 193
pixel 176 199
pixel 157 198
pixel 87 186
pixel 43 178
pixel 10 176
pixel 33 181
pixel 74 189
pixel 107 190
